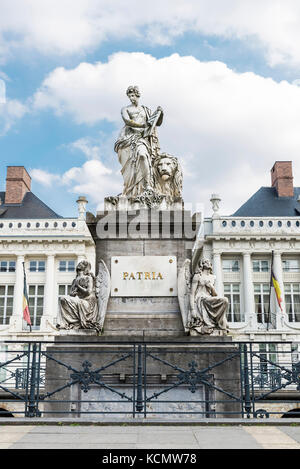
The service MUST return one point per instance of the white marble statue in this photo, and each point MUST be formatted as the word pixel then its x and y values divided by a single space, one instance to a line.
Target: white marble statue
pixel 85 307
pixel 203 311
pixel 137 144
pixel 152 179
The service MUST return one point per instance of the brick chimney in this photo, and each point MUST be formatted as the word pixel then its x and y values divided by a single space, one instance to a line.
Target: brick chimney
pixel 282 178
pixel 18 182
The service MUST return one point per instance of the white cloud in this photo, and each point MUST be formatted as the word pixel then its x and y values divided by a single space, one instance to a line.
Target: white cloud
pixel 67 27
pixel 10 112
pixel 2 92
pixel 92 179
pixel 227 128
pixel 89 147
pixel 44 177
pixel 4 76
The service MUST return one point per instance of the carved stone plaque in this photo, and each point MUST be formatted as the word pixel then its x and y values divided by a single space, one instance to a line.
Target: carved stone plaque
pixel 143 276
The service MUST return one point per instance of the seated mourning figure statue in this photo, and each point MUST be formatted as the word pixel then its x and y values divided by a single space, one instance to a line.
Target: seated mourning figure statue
pixel 85 307
pixel 203 311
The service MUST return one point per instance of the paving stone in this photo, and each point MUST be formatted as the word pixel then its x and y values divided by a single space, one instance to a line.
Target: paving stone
pixel 293 432
pixel 231 438
pixel 80 438
pixel 149 437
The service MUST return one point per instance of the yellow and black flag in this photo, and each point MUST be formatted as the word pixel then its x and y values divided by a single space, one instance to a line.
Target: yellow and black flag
pixel 277 289
pixel 274 284
pixel 26 313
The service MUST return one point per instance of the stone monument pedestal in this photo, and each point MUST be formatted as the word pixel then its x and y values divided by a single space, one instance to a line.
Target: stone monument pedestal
pixel 143 363
pixel 183 378
pixel 145 234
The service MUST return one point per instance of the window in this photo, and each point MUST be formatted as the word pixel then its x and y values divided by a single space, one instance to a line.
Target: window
pixel 6 303
pixel 291 265
pixel 66 266
pixel 37 266
pixel 292 301
pixel 232 292
pixel 64 290
pixel 261 298
pixel 269 373
pixel 260 266
pixel 231 265
pixel 7 266
pixel 36 304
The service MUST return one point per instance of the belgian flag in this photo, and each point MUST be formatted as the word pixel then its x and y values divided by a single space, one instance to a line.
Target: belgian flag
pixel 274 284
pixel 277 289
pixel 26 314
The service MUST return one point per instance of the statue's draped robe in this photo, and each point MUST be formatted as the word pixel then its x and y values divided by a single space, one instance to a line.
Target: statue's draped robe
pixel 211 309
pixel 79 312
pixel 131 146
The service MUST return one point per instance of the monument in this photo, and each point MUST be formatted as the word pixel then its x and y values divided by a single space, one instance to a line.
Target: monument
pixel 144 234
pixel 143 244
pixel 145 289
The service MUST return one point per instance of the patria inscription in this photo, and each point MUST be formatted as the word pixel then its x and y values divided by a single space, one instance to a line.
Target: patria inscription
pixel 143 276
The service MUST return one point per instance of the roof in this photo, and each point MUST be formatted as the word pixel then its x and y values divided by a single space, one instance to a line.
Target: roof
pixel 266 203
pixel 31 207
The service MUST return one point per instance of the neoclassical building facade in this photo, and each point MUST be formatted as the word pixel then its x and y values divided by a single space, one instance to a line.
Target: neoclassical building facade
pixel 48 246
pixel 263 234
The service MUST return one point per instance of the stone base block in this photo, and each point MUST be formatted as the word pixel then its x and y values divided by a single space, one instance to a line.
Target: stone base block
pixel 101 377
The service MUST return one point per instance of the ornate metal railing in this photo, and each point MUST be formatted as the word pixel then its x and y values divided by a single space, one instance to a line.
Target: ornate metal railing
pixel 166 380
pixel 17 377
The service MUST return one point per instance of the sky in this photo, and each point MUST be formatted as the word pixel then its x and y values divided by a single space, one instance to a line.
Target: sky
pixel 225 72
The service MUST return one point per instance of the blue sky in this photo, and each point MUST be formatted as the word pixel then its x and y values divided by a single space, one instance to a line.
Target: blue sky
pixel 224 71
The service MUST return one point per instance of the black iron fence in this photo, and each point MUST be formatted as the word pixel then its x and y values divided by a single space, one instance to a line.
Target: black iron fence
pixel 147 379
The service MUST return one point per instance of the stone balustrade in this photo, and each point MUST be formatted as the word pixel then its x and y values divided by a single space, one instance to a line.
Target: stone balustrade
pixel 257 225
pixel 39 226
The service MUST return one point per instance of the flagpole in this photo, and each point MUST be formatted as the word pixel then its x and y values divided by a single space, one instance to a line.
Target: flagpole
pixel 271 271
pixel 25 291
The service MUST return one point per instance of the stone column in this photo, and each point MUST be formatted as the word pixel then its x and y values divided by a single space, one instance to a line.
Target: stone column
pixel 49 295
pixel 248 289
pixel 16 320
pixel 217 271
pixel 277 269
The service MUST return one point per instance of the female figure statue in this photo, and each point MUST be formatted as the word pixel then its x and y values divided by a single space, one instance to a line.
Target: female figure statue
pixel 207 309
pixel 137 144
pixel 79 310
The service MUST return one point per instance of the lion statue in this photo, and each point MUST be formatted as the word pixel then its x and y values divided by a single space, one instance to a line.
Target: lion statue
pixel 168 176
